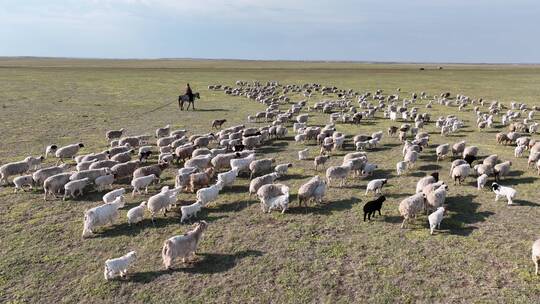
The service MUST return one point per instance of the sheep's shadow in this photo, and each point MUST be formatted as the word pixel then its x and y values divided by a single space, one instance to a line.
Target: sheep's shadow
pixel 392 219
pixel 232 207
pixel 236 189
pixel 516 181
pixel 464 213
pixel 382 173
pixel 292 176
pixel 207 263
pixel 135 229
pixel 430 167
pixel 212 110
pixel 326 208
pixel 526 203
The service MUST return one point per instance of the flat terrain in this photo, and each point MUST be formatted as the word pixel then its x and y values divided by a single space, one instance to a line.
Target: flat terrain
pixel 323 253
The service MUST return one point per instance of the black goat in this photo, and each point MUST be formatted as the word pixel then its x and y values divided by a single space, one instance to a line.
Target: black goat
pixel 371 207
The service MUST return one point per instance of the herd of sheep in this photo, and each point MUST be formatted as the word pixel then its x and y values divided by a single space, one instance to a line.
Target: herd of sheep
pixel 211 162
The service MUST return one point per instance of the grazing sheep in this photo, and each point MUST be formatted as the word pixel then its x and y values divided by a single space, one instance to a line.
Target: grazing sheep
pixel 481 181
pixel 411 206
pixel 502 169
pixel 190 211
pixel 114 134
pixel 209 194
pixel 371 207
pixel 182 246
pixel 491 160
pixel 136 214
pixel 142 182
pixel 460 173
pixel 118 266
pixel 410 158
pixel 101 215
pixel 303 154
pixel 55 183
pixel 401 167
pixel 376 185
pixel 518 151
pixel 338 172
pixel 320 160
pixel 112 195
pixel 68 151
pixel 483 169
pixel 104 181
pixel 273 196
pixel 260 181
pixel 21 181
pixel 536 255
pixel 424 181
pixel 282 169
pixel 442 151
pixel 260 166
pixel 458 148
pixel 505 191
pixel 162 201
pixel 470 150
pixel 435 219
pixel 123 157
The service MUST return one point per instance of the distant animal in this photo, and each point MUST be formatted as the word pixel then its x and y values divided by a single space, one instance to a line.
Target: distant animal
pixel 371 207
pixel 185 98
pixel 217 123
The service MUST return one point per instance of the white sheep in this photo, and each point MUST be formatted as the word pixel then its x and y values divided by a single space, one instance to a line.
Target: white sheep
pixel 368 169
pixel 258 182
pixel 424 181
pixel 274 196
pixel 411 206
pixel 162 201
pixel 118 266
pixel 21 181
pixel 436 198
pixel 101 215
pixel 142 182
pixel 519 150
pixel 401 167
pixel 72 187
pixel 536 254
pixel 505 191
pixel 136 214
pixel 435 219
pixel 190 211
pixel 376 185
pixel 228 178
pixel 410 158
pixel 104 181
pixel 242 164
pixel 481 181
pixel 314 189
pixel 112 195
pixel 182 246
pixel 303 154
pixel 460 173
pixel 42 174
pixel 282 169
pixel 68 151
pixel 338 172
pixel 54 184
pixel 260 166
pixel 209 194
pixel 14 168
pixel 442 151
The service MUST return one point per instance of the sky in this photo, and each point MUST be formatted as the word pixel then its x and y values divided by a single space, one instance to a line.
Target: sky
pixel 465 31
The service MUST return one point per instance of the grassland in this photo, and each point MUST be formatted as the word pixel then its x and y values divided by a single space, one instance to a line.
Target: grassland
pixel 323 254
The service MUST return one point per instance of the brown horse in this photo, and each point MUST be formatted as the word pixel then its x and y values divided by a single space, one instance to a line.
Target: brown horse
pixel 185 98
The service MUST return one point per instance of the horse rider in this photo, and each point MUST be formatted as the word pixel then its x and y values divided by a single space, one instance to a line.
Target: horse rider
pixel 189 93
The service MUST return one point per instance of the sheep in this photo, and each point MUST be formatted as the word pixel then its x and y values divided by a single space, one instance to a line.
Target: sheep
pixel 536 255
pixel 458 148
pixel 401 167
pixel 410 158
pixel 116 150
pixel 259 166
pixel 505 191
pixel 481 181
pixel 273 196
pixel 518 151
pixel 303 154
pixel 435 219
pixel 491 160
pixel 55 183
pixel 338 172
pixel 483 169
pixel 101 215
pixel 242 164
pixel 411 206
pixel 470 150
pixel 84 165
pixel 456 163
pixel 114 134
pixel 118 266
pixel 14 168
pixel 209 194
pixel 371 207
pixel 138 183
pixel 314 189
pixel 251 141
pixel 320 160
pixel 228 178
pixel 460 173
pixel 104 181
pixel 223 161
pixel 165 141
pixel 124 170
pixel 436 198
pixel 182 246
pixel 183 178
pixel 162 201
pixel 156 170
pixel 502 169
pixel 136 214
pixel 376 185
pixel 42 174
pixel 201 152
pixel 112 195
pixel 190 211
pixel 91 174
pixel 424 181
pixel 94 156
pixel 442 151
pixel 21 181
pixel 200 179
pixel 258 182
pixel 163 132
pixel 201 162
pixel 68 151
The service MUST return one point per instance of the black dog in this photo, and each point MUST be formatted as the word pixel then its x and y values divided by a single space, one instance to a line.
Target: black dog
pixel 371 207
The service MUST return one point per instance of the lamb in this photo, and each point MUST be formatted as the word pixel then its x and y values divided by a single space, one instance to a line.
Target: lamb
pixel 460 173
pixel 411 206
pixel 162 201
pixel 338 172
pixel 74 186
pixel 136 214
pixel 101 216
pixel 163 132
pixel 436 198
pixel 155 170
pixel 209 194
pixel 502 169
pixel 259 166
pixel 118 266
pixel 320 160
pixel 21 181
pixel 424 181
pixel 282 169
pixel 314 189
pixel 42 174
pixel 182 246
pixel 228 178
pixel 139 183
pixel 505 191
pixel 55 183
pixel 114 134
pixel 442 151
pixel 371 207
pixel 435 219
pixel 68 151
pixel 401 167
pixel 303 154
pixel 536 254
pixel 273 196
pixel 376 185
pixel 258 182
pixel 481 181
pixel 112 195
pixel 190 211
pixel 14 168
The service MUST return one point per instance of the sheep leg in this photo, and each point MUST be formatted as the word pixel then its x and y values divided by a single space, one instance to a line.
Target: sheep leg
pixel 536 265
pixel 133 192
pixel 496 197
pixel 403 223
pixel 380 212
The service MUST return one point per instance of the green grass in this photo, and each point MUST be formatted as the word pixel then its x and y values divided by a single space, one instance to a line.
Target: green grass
pixel 322 254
